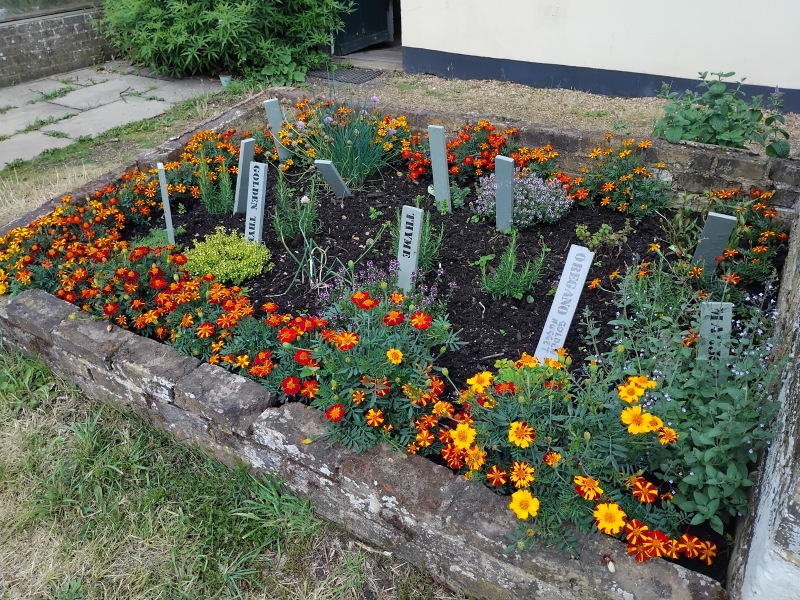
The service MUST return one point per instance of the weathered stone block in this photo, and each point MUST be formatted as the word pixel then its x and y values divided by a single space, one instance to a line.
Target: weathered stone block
pixel 740 166
pixel 94 341
pixel 229 401
pixel 151 369
pixel 38 313
pixel 785 197
pixel 785 171
pixel 698 183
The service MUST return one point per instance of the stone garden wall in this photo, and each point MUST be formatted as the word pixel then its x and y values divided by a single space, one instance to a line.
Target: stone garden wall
pixel 48 45
pixel 418 510
pixel 404 504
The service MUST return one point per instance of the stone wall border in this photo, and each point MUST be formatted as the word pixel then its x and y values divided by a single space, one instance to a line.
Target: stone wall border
pixel 404 504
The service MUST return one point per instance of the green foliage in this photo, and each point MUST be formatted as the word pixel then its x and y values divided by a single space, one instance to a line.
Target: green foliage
pixel 176 37
pixel 229 257
pixel 605 237
pixel 507 282
pixel 218 199
pixel 458 195
pixel 60 92
pixel 157 238
pixel 619 179
pixel 720 406
pixel 295 215
pixel 720 115
pixel 6 108
pixel 357 137
pixel 430 243
pixel 683 230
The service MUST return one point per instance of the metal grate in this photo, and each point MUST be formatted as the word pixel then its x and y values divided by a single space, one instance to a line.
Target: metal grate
pixel 346 75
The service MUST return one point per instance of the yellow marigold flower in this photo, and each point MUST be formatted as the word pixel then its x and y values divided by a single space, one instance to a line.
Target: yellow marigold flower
pixel 551 458
pixel 587 487
pixel 629 392
pixel 654 246
pixel 526 360
pixel 395 356
pixel 627 143
pixel 387 146
pixel 636 421
pixel 595 153
pixel 475 457
pixel 609 517
pixel 644 144
pixel 480 381
pixel 524 504
pixel 653 422
pixel 624 153
pixel 521 434
pixel 522 474
pixel 463 436
pixel 643 382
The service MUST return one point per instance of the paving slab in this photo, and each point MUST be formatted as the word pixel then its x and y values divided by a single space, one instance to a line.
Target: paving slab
pixel 87 77
pixel 17 119
pixel 19 95
pixel 183 89
pixel 96 121
pixel 105 93
pixel 27 145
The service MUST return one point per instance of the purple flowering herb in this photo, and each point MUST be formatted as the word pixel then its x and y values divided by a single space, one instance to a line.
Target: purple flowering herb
pixel 301 125
pixel 374 100
pixel 392 131
pixel 328 120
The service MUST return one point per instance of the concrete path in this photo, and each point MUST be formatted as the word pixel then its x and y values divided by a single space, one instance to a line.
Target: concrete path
pixel 52 112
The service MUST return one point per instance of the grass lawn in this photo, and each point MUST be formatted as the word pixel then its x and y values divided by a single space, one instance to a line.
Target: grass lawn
pixel 95 503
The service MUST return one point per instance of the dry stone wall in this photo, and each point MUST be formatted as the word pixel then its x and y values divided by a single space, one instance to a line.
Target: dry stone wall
pixel 405 504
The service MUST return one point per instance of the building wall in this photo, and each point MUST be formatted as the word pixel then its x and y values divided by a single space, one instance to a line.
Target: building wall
pixel 599 42
pixel 43 46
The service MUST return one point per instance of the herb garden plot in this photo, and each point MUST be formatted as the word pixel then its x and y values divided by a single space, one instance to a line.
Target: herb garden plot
pixel 629 431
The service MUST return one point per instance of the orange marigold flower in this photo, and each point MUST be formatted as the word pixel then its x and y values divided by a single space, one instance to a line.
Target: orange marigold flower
pixel 393 317
pixel 656 544
pixel 594 284
pixel 609 186
pixel 374 417
pixel 420 320
pixel 309 388
pixel 708 551
pixel 496 476
pixel 689 545
pixel 396 297
pixel 645 144
pixel 638 550
pixel 587 487
pixel 731 279
pixel 551 458
pixel 357 396
pixel 205 330
pixel 667 435
pixel 346 340
pixel 453 455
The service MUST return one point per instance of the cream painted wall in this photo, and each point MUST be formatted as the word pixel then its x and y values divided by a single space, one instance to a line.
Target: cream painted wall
pixel 678 38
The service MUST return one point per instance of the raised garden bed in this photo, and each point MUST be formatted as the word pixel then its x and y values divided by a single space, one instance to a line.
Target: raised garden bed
pixel 204 404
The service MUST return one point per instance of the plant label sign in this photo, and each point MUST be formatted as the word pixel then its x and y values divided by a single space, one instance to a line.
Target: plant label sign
pixel 504 196
pixel 332 178
pixel 441 176
pixel 246 152
pixel 565 302
pixel 715 328
pixel 254 221
pixel 408 248
pixel 714 240
pixel 162 180
pixel 275 119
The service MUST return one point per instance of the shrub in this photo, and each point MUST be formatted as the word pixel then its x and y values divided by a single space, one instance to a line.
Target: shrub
pixel 619 179
pixel 294 215
pixel 229 257
pixel 507 282
pixel 356 137
pixel 535 200
pixel 719 115
pixel 278 41
pixel 604 237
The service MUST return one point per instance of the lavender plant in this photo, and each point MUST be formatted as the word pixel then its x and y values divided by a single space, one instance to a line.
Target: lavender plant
pixel 535 200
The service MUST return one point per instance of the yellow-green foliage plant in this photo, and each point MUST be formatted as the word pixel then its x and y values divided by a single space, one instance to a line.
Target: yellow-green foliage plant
pixel 229 257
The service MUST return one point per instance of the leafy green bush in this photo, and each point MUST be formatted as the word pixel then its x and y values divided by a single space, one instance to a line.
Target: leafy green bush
pixel 604 237
pixel 719 115
pixel 229 257
pixel 507 281
pixel 175 37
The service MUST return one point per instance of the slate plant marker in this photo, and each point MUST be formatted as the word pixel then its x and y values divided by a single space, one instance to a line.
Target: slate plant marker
pixel 408 248
pixel 504 196
pixel 162 179
pixel 714 239
pixel 715 329
pixel 246 152
pixel 573 277
pixel 332 178
pixel 441 176
pixel 275 119
pixel 257 191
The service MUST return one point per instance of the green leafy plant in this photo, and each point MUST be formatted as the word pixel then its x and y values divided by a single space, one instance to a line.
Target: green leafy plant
pixel 6 108
pixel 720 115
pixel 181 208
pixel 157 238
pixel 507 281
pixel 605 237
pixel 295 215
pixel 458 195
pixel 229 257
pixel 176 38
pixel 374 213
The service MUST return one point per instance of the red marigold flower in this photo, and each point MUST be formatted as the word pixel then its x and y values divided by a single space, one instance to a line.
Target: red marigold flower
pixel 393 317
pixel 496 476
pixel 421 320
pixel 262 357
pixel 287 334
pixel 672 549
pixel 636 532
pixel 581 194
pixel 302 356
pixel 369 304
pixel 205 330
pixel 587 487
pixel 436 385
pixel 269 307
pixel 708 551
pixel 227 320
pixel 454 456
pixel 424 438
pixel 638 550
pixel 731 279
pixel 158 283
pixel 111 308
pixel 309 388
pixel 656 544
pixel 689 545
pixel 290 385
pixel 179 259
pixel 359 297
pixel 335 413
pixel 374 417
pixel 644 491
